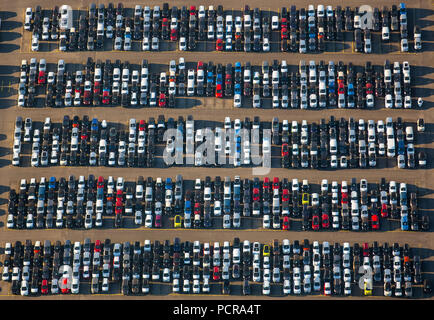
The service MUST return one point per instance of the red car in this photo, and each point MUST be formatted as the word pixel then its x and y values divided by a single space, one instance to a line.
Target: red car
pixel 325 221
pixel 219 45
pixel 96 89
pixel 64 287
pixel 87 96
pixel 216 274
pixel 119 196
pixel 266 184
pixel 384 211
pixel 84 135
pixel 276 183
pixel 344 198
pixel 118 209
pixel 341 88
pixel 284 33
pixel 162 100
pixel 197 209
pixel 97 247
pixel 44 287
pixel 158 221
pixel 142 125
pixel 256 194
pixel 218 91
pixel 105 97
pixel 375 221
pixel 100 183
pixel 173 35
pixel 315 222
pixel 285 150
pixel 165 23
pixel 284 23
pixel 199 65
pixel 365 249
pixel 192 10
pixel 285 195
pixel 41 77
pixel 369 88
pixel 285 224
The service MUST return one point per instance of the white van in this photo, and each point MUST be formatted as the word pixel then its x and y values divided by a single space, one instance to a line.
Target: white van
pixel 354 209
pixel 190 82
pixel 390 143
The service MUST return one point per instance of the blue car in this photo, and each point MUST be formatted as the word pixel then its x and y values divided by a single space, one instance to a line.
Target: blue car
pixel 237 193
pixel 404 222
pixel 94 124
pixel 350 89
pixel 100 193
pixel 219 79
pixel 210 77
pixel 331 87
pixel 168 184
pixel 52 183
pixel 187 207
pixel 41 193
pixel 227 206
pixel 237 88
pixel 237 66
pixel 401 147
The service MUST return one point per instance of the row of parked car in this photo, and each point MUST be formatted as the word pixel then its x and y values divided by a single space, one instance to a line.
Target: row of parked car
pixel 67 203
pixel 333 144
pixel 311 85
pixel 201 268
pixel 300 30
pixel 343 144
pixel 89 143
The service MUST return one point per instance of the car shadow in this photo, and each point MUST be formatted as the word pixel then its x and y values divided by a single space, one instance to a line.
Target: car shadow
pixel 9 47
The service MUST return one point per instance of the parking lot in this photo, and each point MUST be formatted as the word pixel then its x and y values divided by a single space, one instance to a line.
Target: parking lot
pixel 15 46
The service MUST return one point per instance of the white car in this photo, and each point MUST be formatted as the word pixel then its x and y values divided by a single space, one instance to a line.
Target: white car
pixel 146 44
pixel 21 100
pixel 182 44
pixel 266 222
pixel 404 45
pixel 237 100
pixel 24 289
pixel 35 44
pixel 385 34
pixel 75 287
pixel 138 218
pixel 148 221
pixel 388 101
pixel 266 45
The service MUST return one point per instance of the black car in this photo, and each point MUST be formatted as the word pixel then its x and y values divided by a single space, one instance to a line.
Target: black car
pixel 427 287
pixel 226 287
pixel 246 287
pixel 358 40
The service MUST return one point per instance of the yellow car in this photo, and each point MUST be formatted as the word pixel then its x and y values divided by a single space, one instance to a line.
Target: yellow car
pixel 177 221
pixel 305 199
pixel 368 289
pixel 266 250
